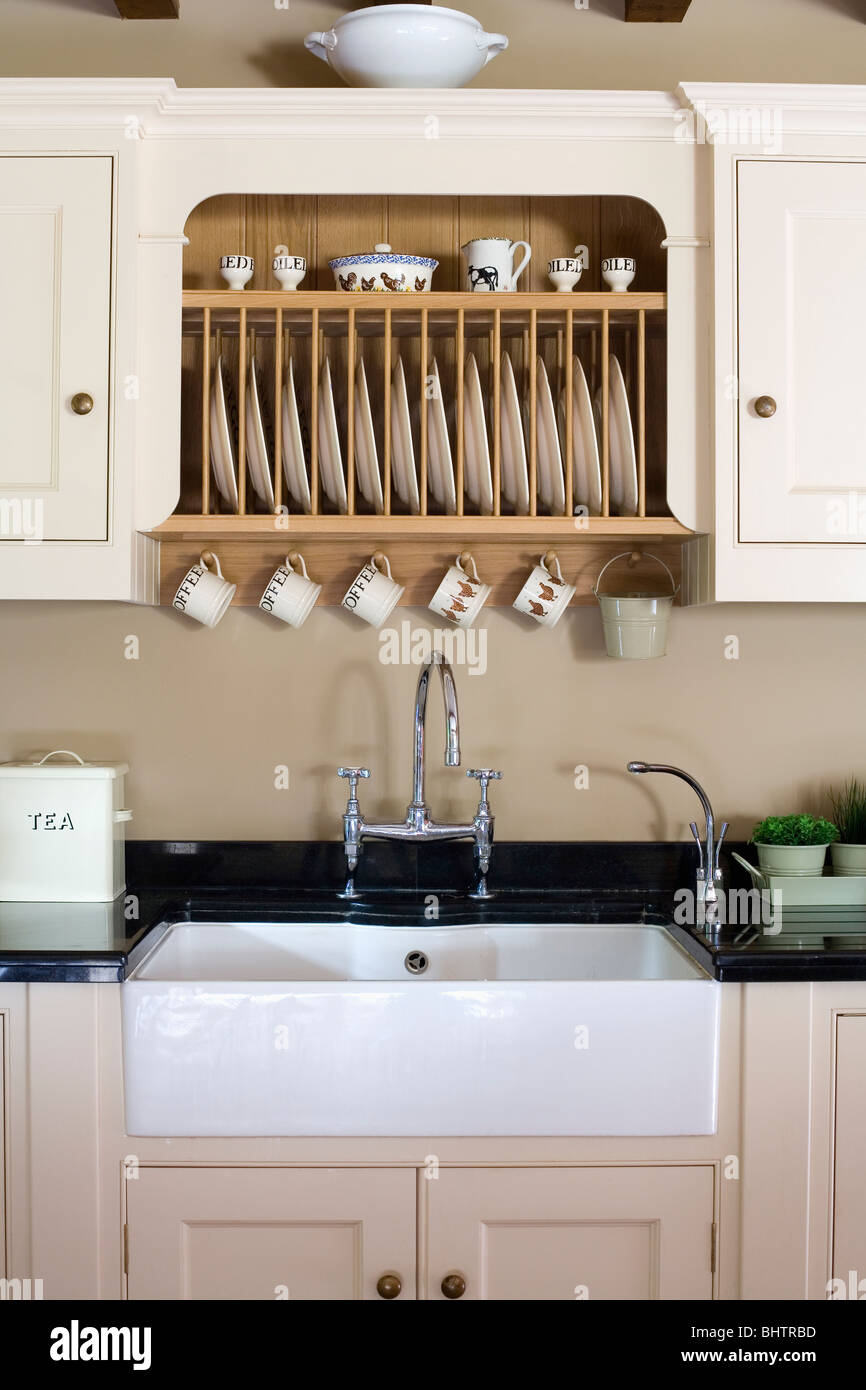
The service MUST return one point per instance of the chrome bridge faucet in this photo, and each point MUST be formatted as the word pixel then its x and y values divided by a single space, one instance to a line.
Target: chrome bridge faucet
pixel 709 874
pixel 419 825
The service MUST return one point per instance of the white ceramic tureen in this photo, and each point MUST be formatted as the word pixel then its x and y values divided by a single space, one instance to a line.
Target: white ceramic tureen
pixel 383 269
pixel 406 46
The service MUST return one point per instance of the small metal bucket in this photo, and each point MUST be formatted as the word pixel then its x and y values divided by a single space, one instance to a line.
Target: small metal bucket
pixel 635 624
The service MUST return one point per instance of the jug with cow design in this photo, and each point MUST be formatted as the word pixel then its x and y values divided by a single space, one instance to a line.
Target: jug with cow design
pixel 490 263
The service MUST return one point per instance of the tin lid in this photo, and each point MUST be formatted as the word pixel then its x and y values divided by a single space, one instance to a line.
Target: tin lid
pixel 77 767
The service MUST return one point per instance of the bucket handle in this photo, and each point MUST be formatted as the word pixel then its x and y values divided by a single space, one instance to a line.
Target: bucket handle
pixel 56 754
pixel 622 555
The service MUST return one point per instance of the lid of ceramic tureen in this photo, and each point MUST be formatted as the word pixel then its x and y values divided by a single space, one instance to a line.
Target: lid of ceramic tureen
pixel 382 252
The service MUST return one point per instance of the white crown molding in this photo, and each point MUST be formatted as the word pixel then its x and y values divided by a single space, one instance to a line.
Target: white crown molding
pixel 164 111
pixel 801 108
pixel 159 109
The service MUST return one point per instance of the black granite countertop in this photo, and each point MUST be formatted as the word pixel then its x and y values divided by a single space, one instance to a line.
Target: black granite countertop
pixel 601 882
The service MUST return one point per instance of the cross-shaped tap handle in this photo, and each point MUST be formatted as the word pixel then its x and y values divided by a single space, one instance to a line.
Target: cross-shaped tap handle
pixel 353 773
pixel 484 775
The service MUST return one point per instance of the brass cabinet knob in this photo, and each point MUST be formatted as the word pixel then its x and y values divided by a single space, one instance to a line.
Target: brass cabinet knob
pixel 454 1286
pixel 765 406
pixel 389 1286
pixel 81 403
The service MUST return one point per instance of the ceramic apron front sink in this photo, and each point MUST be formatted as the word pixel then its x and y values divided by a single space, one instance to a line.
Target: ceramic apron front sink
pixel 264 1029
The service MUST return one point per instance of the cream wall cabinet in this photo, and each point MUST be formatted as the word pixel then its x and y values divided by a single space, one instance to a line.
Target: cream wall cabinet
pixel 764 240
pixel 573 1233
pixel 72 495
pixel 55 287
pixel 801 306
pixel 788 178
pixel 172 150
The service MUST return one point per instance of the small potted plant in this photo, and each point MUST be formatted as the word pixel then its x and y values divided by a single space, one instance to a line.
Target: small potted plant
pixel 849 813
pixel 793 846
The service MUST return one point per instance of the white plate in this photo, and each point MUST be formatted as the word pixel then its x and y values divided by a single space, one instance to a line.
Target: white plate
pixel 478 478
pixel 402 450
pixel 623 460
pixel 366 456
pixel 330 457
pixel 294 454
pixel 551 482
pixel 515 471
pixel 222 437
pixel 586 465
pixel 440 468
pixel 258 453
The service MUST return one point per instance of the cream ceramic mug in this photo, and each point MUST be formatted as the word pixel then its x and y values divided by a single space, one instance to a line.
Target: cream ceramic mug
pixel 291 594
pixel 461 595
pixel 236 270
pixel 373 593
pixel 545 595
pixel 288 270
pixel 565 271
pixel 203 593
pixel 618 272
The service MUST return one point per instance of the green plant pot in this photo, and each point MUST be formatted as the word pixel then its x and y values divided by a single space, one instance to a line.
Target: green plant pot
pixel 848 860
pixel 792 861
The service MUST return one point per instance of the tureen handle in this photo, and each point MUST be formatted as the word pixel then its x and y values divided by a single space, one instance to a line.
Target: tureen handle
pixel 494 43
pixel 321 43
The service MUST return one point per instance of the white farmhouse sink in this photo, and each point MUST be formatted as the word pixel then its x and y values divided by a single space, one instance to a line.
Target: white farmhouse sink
pixel 262 1029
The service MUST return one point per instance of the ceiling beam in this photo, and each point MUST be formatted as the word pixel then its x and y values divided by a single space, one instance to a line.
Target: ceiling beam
pixel 656 11
pixel 148 9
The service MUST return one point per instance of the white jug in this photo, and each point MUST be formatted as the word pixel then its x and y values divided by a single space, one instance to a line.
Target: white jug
pixel 490 263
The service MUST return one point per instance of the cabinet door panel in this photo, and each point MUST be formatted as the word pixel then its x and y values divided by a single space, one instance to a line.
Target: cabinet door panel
pixel 266 1233
pixel 849 1205
pixel 801 309
pixel 569 1233
pixel 55 292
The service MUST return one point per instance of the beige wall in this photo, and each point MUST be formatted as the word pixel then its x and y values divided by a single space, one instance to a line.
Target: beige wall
pixel 204 717
pixel 249 43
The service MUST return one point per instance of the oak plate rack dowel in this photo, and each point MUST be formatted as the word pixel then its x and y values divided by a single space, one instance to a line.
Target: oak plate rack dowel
pixel 273 327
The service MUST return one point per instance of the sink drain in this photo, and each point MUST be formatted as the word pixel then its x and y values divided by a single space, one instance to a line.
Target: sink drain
pixel 416 962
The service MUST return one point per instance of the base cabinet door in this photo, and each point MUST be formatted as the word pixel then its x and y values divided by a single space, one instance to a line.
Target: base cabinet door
pixel 849 1190
pixel 270 1233
pixel 571 1233
pixel 3 1190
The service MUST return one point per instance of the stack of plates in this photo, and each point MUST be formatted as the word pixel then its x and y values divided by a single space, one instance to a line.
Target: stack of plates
pixel 477 470
pixel 259 439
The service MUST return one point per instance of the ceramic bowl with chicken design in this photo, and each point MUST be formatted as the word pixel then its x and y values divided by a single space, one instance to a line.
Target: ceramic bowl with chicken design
pixel 384 271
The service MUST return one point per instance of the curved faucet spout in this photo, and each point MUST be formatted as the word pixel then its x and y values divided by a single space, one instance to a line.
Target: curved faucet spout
pixel 452 723
pixel 709 872
pixel 685 777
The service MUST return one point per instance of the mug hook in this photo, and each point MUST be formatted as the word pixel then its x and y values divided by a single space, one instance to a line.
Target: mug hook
pixel 380 560
pixel 208 558
pixel 463 561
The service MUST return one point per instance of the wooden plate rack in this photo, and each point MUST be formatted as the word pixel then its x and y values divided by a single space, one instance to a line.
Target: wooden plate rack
pixel 311 324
